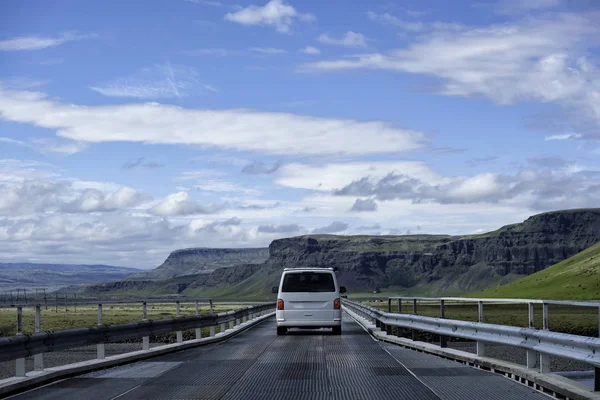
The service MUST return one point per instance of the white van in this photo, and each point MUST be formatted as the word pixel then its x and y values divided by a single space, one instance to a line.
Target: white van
pixel 309 298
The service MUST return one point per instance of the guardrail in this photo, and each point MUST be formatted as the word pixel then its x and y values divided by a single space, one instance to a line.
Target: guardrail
pixel 25 345
pixel 538 343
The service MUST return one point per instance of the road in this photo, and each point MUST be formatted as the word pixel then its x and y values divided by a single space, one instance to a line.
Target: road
pixel 260 365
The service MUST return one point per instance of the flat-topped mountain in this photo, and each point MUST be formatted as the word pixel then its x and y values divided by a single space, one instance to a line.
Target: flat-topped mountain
pixel 202 261
pixel 415 264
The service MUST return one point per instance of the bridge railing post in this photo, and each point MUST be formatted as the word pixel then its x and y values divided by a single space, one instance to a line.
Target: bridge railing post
pixel 145 339
pixel 443 339
pixel 389 305
pixel 480 344
pixel 545 358
pixel 20 362
pixel 38 359
pixel 177 315
pixel 531 354
pixel 198 330
pixel 413 332
pixel 100 348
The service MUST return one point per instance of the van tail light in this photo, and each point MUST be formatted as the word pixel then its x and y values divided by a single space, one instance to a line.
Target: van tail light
pixel 279 304
pixel 336 304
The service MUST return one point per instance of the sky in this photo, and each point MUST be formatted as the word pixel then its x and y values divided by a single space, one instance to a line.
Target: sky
pixel 131 129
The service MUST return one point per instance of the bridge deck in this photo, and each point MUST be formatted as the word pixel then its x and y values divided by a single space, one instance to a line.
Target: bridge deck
pixel 302 365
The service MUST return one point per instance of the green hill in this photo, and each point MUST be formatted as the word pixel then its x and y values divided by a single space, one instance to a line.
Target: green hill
pixel 576 278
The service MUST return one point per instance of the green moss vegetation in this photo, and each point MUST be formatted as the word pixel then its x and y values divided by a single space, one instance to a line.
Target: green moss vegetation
pixel 576 278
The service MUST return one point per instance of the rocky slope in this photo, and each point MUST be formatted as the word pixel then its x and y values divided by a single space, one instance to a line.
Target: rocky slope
pixel 416 264
pixel 202 261
pixel 368 263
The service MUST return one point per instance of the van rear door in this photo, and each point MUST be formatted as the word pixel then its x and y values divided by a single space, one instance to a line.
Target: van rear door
pixel 308 295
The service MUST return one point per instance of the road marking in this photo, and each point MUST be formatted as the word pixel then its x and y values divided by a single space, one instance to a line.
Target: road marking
pixel 124 393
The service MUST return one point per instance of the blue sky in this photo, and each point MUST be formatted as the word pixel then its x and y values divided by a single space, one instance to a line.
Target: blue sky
pixel 131 129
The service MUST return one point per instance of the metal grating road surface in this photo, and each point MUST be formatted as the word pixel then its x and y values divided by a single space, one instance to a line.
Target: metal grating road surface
pixel 301 365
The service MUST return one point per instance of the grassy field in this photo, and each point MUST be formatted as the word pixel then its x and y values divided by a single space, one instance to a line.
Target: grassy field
pixel 576 278
pixel 566 319
pixel 88 315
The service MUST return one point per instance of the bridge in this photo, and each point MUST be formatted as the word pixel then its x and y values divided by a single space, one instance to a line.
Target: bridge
pixel 243 358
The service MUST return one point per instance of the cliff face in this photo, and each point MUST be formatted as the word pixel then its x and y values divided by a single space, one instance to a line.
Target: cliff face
pixel 366 263
pixel 202 261
pixel 416 264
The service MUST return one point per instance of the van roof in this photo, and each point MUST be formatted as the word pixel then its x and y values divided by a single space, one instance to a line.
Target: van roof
pixel 309 269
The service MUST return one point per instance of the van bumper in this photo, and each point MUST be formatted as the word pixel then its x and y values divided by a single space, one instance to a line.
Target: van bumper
pixel 290 323
pixel 308 324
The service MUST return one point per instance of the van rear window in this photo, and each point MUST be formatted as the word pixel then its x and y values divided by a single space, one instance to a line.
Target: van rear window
pixel 308 282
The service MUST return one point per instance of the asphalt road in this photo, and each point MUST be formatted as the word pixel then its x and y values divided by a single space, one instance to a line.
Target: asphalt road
pixel 301 365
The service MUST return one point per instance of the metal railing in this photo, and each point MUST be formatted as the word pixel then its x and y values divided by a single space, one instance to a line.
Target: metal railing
pixel 539 343
pixel 36 344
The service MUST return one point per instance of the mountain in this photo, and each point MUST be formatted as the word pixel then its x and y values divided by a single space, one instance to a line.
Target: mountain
pixel 576 278
pixel 53 276
pixel 202 261
pixel 412 264
pixel 426 264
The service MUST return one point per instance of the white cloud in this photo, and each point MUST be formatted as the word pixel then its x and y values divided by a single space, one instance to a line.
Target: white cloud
pixel 395 21
pixel 24 83
pixel 568 186
pixel 280 229
pixel 213 185
pixel 540 58
pixel 275 13
pixel 519 6
pixel 94 200
pixel 413 26
pixel 115 224
pixel 267 50
pixel 39 42
pixel 13 171
pixel 310 50
pixel 45 145
pixel 37 195
pixel 197 174
pixel 14 141
pixel 180 203
pixel 350 39
pixel 158 81
pixel 275 133
pixel 361 205
pixel 212 3
pixel 334 227
pixel 565 136
pixel 31 196
pixel 259 168
pixel 333 176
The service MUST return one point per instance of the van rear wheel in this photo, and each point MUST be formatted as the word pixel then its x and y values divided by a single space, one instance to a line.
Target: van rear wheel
pixel 281 331
pixel 337 330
